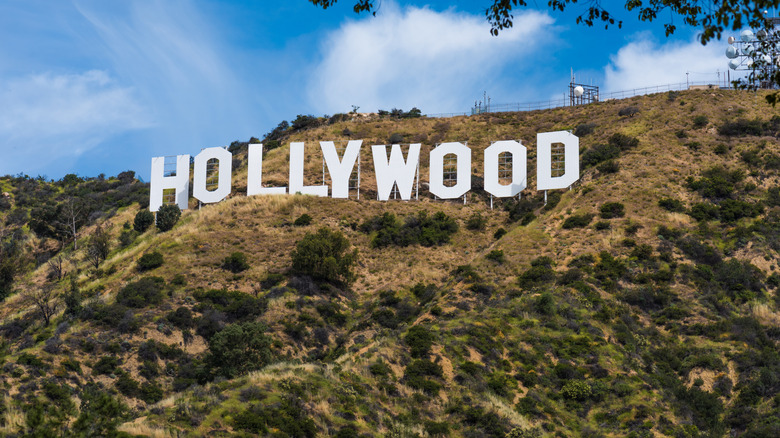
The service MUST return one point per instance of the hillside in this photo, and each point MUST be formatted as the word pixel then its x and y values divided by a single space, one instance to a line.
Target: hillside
pixel 642 302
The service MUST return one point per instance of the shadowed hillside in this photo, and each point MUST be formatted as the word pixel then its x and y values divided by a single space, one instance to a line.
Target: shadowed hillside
pixel 641 302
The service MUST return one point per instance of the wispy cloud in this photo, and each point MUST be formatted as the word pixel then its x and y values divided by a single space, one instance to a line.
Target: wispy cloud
pixel 643 63
pixel 411 56
pixel 173 54
pixel 45 117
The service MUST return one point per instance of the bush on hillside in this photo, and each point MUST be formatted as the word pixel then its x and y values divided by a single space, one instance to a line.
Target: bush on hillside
pixel 143 220
pixel 717 182
pixel 476 222
pixel 239 348
pixel 671 204
pixel 235 262
pixel 420 229
pixel 577 221
pixel 145 292
pixel 612 210
pixel 324 256
pixel 150 261
pixel 303 220
pixel 167 217
pixel 741 128
pixel 598 154
pixel 584 129
pixel 420 340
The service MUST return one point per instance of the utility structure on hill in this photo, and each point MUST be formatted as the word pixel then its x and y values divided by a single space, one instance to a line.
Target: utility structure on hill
pixel 580 94
pixel 758 53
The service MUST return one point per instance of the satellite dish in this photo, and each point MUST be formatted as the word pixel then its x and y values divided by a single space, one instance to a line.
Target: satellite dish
pixel 732 40
pixel 579 91
pixel 748 49
pixel 761 34
pixel 731 52
pixel 733 64
pixel 748 62
pixel 767 59
pixel 746 35
pixel 777 46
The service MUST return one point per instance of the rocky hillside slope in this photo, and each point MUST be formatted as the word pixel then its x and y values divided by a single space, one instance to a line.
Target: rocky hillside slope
pixel 642 302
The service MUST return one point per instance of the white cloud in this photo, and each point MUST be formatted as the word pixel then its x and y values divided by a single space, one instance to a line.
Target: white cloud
pixel 173 54
pixel 644 63
pixel 47 117
pixel 437 61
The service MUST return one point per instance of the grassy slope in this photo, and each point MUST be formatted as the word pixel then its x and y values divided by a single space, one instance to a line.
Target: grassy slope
pixel 500 331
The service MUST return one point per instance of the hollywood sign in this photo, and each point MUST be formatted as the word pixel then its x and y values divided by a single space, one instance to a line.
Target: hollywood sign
pixel 393 171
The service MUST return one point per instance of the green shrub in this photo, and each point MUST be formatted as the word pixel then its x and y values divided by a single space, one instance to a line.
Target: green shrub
pixel 501 232
pixel 150 261
pixel 126 385
pixel 602 225
pixel 721 149
pixel 700 121
pixel 325 256
pixel 143 220
pixel 716 182
pixel 539 274
pixel 598 154
pixel 584 129
pixel 609 166
pixel 418 375
pixel 577 221
pixel 741 128
pixel 181 318
pixel 420 340
pixel 670 204
pixel 167 217
pixel 303 220
pixel 239 348
pixel 395 138
pixel 235 263
pixel 100 413
pixel 105 365
pixel 380 368
pixel 731 210
pixel 476 222
pixel 141 293
pixel 421 229
pixel 501 384
pixel 497 255
pixel 622 141
pixel 150 393
pixel 31 360
pixel 612 210
pixel 704 211
pixel 545 304
pixel 576 390
pixel 628 111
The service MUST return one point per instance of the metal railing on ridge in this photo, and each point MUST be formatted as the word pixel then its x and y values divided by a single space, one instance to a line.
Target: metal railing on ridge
pixel 559 103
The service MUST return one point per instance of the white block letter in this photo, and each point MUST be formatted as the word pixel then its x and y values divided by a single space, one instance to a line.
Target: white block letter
pixel 544 142
pixel 199 190
pixel 340 170
pixel 254 178
pixel 296 173
pixel 180 182
pixel 519 170
pixel 463 184
pixel 395 171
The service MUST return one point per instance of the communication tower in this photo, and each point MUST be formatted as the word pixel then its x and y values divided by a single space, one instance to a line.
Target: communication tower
pixel 580 94
pixel 757 52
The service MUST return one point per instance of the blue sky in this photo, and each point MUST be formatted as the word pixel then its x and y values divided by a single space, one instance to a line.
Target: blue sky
pixel 90 86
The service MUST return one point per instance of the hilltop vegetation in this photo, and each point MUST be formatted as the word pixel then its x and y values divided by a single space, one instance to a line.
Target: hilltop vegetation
pixel 642 302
